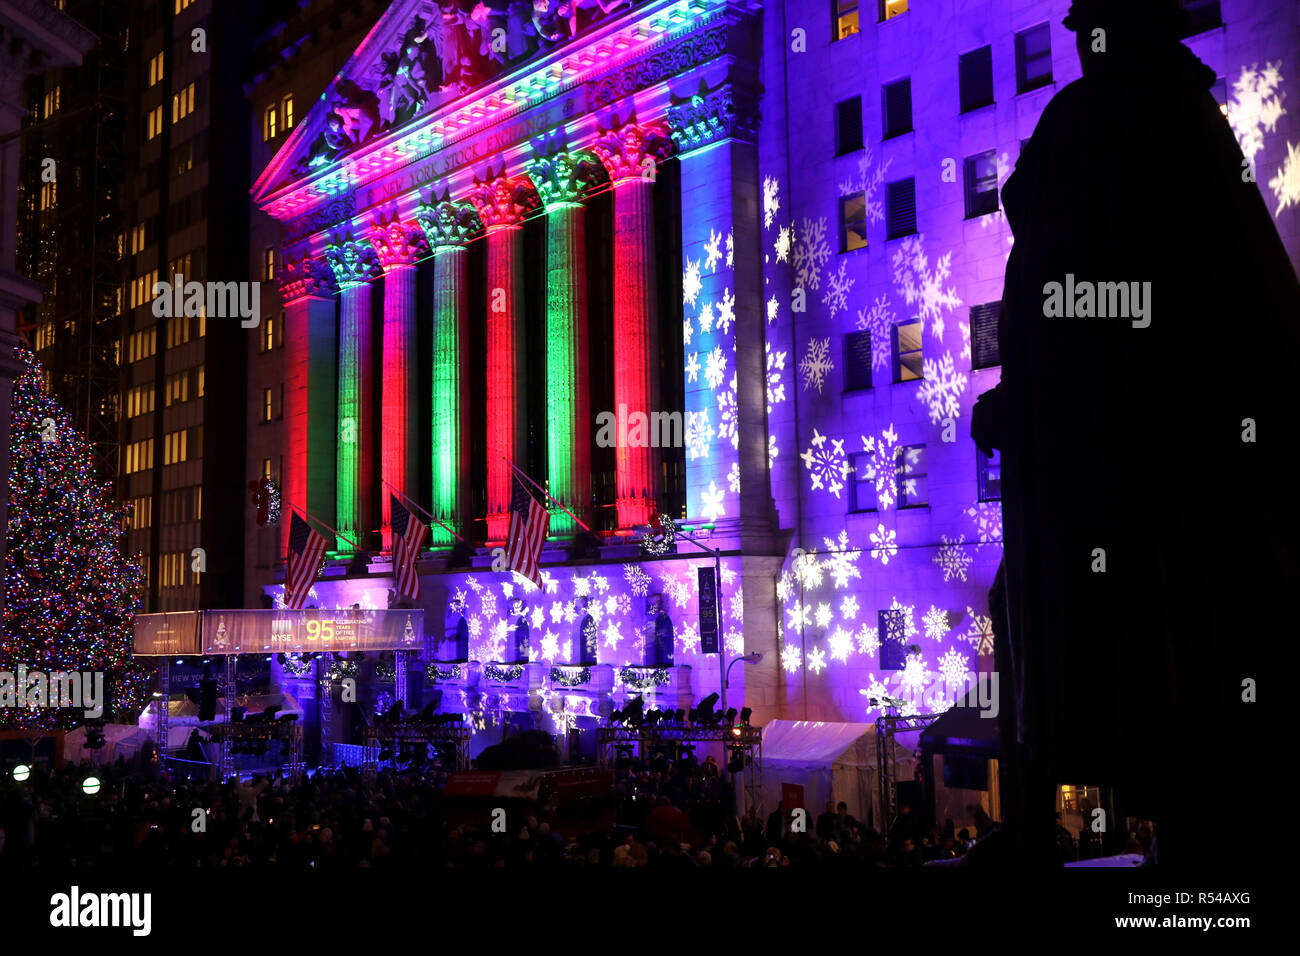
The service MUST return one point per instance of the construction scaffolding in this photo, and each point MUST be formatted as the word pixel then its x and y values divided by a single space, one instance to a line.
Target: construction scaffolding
pixel 677 740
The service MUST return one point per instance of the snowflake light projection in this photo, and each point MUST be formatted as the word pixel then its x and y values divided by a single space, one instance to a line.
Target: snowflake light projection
pixel 688 639
pixel 538 617
pixel 884 541
pixel 827 467
pixel 935 622
pixel 731 249
pixel 733 477
pixel 693 367
pixel 688 330
pixel 1286 184
pixel 706 318
pixel 875 691
pixel 726 311
pixel 712 251
pixel 737 604
pixel 772 450
pixel 775 385
pixel 987 516
pixel 849 608
pixel 773 309
pixel 823 615
pixel 728 417
pixel 637 579
pixel 1255 106
pixel 868 639
pixel 879 321
pixel 816 660
pixel 712 498
pixel 715 367
pixel 771 201
pixel 883 466
pixel 953 558
pixel 691 282
pixel 800 617
pixel 868 183
pixel 838 287
pixel 980 634
pixel 809 253
pixel 841 560
pixel 808 571
pixel 914 677
pixel 841 644
pixel 791 658
pixel 953 669
pixel 941 388
pixel 909 626
pixel 699 434
pixel 733 641
pixel 816 364
pixel 612 635
pixel 922 286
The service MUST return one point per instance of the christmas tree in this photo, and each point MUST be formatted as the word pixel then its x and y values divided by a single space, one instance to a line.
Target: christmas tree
pixel 70 592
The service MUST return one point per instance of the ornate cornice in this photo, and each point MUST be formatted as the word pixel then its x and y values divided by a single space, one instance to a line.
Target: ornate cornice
pixel 448 223
pixel 397 242
pixel 336 212
pixel 304 277
pixel 630 150
pixel 563 176
pixel 726 112
pixel 682 54
pixel 503 200
pixel 353 260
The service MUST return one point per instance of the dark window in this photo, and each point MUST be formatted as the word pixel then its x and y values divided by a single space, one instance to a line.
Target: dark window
pixel 913 483
pixel 990 474
pixel 462 640
pixel 900 208
pixel 907 350
pixel 1203 15
pixel 853 222
pixel 893 640
pixel 862 481
pixel 1033 58
pixel 844 18
pixel 981 184
pixel 587 638
pixel 857 360
pixel 897 108
pixel 848 126
pixel 975 78
pixel 521 640
pixel 663 647
pixel 984 335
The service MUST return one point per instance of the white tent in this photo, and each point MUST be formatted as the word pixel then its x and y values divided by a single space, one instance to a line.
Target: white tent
pixel 831 761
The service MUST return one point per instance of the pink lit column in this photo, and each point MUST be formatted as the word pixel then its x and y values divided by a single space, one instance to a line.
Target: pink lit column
pixel 398 245
pixel 629 153
pixel 503 202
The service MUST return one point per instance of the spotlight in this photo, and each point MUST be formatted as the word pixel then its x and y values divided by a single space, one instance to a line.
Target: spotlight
pixel 731 715
pixel 633 713
pixel 90 786
pixel 745 714
pixel 22 772
pixel 680 716
pixel 704 709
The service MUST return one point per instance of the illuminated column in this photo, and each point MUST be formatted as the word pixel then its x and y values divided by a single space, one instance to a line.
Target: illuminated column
pixel 722 284
pixel 629 153
pixel 562 179
pixel 503 202
pixel 310 390
pixel 398 245
pixel 354 264
pixel 448 227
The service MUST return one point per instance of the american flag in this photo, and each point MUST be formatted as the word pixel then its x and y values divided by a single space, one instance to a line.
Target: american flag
pixel 408 537
pixel 529 522
pixel 306 550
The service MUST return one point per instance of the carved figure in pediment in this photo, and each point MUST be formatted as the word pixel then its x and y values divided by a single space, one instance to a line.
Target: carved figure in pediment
pixel 359 110
pixel 521 34
pixel 405 74
pixel 330 143
pixel 455 33
pixel 558 19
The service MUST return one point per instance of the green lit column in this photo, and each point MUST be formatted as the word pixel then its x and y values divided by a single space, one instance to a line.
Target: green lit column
pixel 448 226
pixel 354 265
pixel 562 179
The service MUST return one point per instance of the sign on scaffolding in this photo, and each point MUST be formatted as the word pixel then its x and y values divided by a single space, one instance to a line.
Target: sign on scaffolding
pixel 190 633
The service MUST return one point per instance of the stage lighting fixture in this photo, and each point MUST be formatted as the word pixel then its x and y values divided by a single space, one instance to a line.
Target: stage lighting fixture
pixel 745 714
pixel 386 752
pixel 680 716
pixel 731 715
pixel 737 762
pixel 22 772
pixel 633 713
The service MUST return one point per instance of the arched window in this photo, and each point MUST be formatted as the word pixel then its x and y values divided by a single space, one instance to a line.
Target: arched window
pixel 587 638
pixel 521 640
pixel 462 640
pixel 663 646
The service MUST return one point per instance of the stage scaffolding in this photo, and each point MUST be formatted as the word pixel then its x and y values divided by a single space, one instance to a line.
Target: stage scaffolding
pixel 410 732
pixel 283 730
pixel 673 739
pixel 887 759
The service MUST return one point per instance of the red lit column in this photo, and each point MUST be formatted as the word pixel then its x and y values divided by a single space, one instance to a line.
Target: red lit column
pixel 355 265
pixel 503 202
pixel 398 245
pixel 307 292
pixel 629 152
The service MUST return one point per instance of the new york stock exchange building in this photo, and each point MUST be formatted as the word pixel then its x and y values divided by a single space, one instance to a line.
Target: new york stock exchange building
pixel 684 258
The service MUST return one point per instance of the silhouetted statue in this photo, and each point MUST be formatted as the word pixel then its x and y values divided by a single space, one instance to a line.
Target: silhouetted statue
pixel 1123 442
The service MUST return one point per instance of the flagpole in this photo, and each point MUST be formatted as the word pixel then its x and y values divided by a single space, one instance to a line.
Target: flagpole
pixel 546 493
pixel 423 512
pixel 334 531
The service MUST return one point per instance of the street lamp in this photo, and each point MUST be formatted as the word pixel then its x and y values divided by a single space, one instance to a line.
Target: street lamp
pixel 753 657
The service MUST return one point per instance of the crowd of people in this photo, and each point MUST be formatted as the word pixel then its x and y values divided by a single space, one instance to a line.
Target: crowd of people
pixel 662 813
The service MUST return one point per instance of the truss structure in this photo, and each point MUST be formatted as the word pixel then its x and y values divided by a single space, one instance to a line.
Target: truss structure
pixel 675 739
pixel 887 759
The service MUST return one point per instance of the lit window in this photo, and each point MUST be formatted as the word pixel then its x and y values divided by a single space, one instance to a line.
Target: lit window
pixel 981 184
pixel 182 4
pixel 52 102
pixel 853 222
pixel 137 239
pixel 990 475
pixel 907 350
pixel 266 468
pixel 892 8
pixel 266 405
pixel 268 124
pixel 1033 58
pixel 913 490
pixel 286 107
pixel 844 16
pixel 268 333
pixel 49 195
pixel 268 264
pixel 183 103
pixel 199 390
pixel 156 69
pixel 154 122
